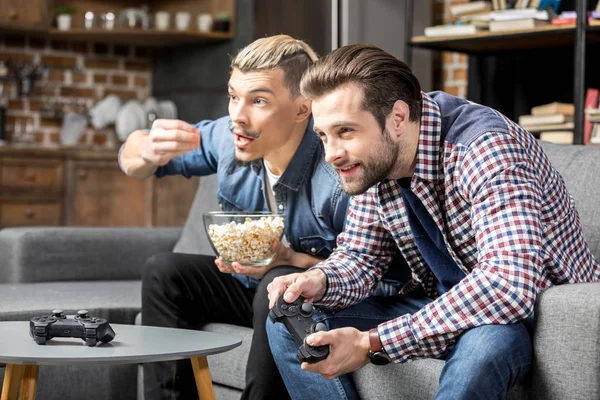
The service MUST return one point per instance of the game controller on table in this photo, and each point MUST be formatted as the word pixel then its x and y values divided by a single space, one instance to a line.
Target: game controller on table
pixel 297 318
pixel 90 329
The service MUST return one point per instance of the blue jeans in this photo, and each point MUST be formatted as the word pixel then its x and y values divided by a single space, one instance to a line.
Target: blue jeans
pixel 484 363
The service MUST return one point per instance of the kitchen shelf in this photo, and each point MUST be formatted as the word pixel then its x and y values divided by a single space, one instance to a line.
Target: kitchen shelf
pixel 140 37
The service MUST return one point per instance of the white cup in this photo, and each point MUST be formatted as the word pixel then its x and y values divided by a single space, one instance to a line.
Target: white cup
pixel 182 20
pixel 63 22
pixel 161 20
pixel 204 22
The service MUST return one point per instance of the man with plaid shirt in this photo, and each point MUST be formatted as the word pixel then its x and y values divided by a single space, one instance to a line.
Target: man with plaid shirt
pixel 468 198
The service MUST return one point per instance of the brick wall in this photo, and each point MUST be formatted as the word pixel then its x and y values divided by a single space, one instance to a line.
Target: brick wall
pixel 452 68
pixel 78 75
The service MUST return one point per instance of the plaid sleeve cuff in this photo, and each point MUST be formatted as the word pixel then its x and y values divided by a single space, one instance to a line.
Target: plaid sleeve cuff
pixel 399 341
pixel 332 293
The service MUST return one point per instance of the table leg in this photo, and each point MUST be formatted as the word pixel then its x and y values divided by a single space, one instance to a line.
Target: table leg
pixel 203 381
pixel 28 382
pixel 10 387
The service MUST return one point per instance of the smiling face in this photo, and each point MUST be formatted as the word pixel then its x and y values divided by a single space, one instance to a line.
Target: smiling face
pixel 263 114
pixel 362 154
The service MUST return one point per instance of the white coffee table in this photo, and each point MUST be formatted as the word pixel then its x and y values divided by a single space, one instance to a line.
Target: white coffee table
pixel 132 344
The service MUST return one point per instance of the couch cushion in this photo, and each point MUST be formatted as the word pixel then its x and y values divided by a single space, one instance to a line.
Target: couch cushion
pixel 46 254
pixel 229 368
pixel 117 301
pixel 567 342
pixel 193 239
pixel 579 166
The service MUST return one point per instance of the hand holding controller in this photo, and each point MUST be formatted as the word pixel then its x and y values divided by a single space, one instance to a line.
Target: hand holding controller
pixel 297 318
pixel 90 329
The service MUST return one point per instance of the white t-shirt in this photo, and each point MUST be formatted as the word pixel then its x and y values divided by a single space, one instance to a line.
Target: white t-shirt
pixel 271 179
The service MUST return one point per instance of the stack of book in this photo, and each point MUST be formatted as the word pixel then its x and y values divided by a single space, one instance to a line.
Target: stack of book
pixel 517 19
pixel 593 116
pixel 553 122
pixel 506 16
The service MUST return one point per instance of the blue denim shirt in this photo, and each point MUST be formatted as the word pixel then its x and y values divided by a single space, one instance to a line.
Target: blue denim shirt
pixel 309 192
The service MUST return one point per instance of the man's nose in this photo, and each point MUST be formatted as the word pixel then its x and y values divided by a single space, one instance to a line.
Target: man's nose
pixel 238 113
pixel 333 151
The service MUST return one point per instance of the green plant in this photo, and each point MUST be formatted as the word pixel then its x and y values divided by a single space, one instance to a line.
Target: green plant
pixel 63 10
pixel 222 16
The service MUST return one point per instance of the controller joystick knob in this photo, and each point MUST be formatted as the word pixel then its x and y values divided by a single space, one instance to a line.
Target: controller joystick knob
pixel 320 327
pixel 306 309
pixel 57 312
pixel 82 313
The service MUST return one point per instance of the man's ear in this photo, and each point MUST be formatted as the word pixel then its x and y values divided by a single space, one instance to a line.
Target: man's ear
pixel 399 117
pixel 304 108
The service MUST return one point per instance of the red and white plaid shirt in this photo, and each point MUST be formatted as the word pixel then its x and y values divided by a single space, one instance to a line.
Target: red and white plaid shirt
pixel 505 215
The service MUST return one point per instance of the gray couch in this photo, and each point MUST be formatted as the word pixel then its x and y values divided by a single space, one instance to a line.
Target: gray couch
pixel 99 269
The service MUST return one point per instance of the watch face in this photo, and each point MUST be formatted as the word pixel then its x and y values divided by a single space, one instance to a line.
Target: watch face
pixel 380 358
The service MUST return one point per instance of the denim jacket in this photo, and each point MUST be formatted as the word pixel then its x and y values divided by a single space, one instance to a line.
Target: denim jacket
pixel 309 193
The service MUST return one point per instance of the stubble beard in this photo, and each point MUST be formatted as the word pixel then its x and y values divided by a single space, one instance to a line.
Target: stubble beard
pixel 375 168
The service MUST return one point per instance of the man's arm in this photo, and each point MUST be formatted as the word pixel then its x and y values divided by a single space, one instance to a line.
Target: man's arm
pixel 502 185
pixel 364 252
pixel 143 152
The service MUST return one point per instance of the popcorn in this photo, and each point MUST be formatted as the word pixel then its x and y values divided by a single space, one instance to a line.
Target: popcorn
pixel 248 242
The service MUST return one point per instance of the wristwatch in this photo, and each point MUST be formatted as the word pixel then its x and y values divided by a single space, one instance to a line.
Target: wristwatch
pixel 377 354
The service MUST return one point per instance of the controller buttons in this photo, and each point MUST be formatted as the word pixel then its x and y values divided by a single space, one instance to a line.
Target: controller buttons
pixel 320 327
pixel 293 309
pixel 284 306
pixel 306 309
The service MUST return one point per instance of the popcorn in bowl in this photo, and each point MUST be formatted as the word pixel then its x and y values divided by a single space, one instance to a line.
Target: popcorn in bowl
pixel 244 237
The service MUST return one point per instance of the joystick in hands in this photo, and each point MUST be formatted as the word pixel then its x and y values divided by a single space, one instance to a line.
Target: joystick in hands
pixel 297 318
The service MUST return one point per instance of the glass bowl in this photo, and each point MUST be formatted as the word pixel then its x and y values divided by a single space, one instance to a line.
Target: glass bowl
pixel 244 237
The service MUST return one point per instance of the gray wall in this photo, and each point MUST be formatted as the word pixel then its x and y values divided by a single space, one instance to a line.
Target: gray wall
pixel 195 76
pixel 381 22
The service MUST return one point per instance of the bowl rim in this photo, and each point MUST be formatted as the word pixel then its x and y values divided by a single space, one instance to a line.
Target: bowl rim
pixel 243 213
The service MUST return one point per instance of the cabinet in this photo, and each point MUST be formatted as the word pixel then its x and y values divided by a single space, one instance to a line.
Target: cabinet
pixel 578 38
pixel 85 188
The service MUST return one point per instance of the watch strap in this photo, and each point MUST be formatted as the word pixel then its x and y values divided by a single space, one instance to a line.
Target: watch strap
pixel 374 340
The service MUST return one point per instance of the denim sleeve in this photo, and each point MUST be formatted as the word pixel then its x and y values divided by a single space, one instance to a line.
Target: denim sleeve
pixel 203 160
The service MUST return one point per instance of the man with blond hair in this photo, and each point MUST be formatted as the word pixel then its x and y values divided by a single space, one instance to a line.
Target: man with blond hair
pixel 469 198
pixel 267 158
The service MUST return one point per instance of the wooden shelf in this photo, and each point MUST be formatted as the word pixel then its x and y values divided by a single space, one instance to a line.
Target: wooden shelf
pixel 493 42
pixel 147 38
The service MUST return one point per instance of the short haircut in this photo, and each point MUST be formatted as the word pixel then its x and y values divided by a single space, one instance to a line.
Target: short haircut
pixel 280 51
pixel 383 78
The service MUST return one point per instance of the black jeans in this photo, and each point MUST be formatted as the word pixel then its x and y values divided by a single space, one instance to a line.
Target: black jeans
pixel 186 291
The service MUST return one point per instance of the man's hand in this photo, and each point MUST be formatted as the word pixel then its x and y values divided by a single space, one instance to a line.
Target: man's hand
pixel 349 351
pixel 310 284
pixel 168 139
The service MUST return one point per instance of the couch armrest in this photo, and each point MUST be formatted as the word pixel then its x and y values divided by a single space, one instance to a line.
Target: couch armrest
pixel 567 342
pixel 43 254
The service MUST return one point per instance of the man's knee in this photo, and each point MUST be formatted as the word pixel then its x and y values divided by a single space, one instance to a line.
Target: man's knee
pixel 498 342
pixel 158 268
pixel 493 356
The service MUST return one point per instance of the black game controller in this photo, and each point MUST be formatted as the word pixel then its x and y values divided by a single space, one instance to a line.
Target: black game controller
pixel 89 329
pixel 297 318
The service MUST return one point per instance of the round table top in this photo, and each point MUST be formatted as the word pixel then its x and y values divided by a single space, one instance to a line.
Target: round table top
pixel 132 344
